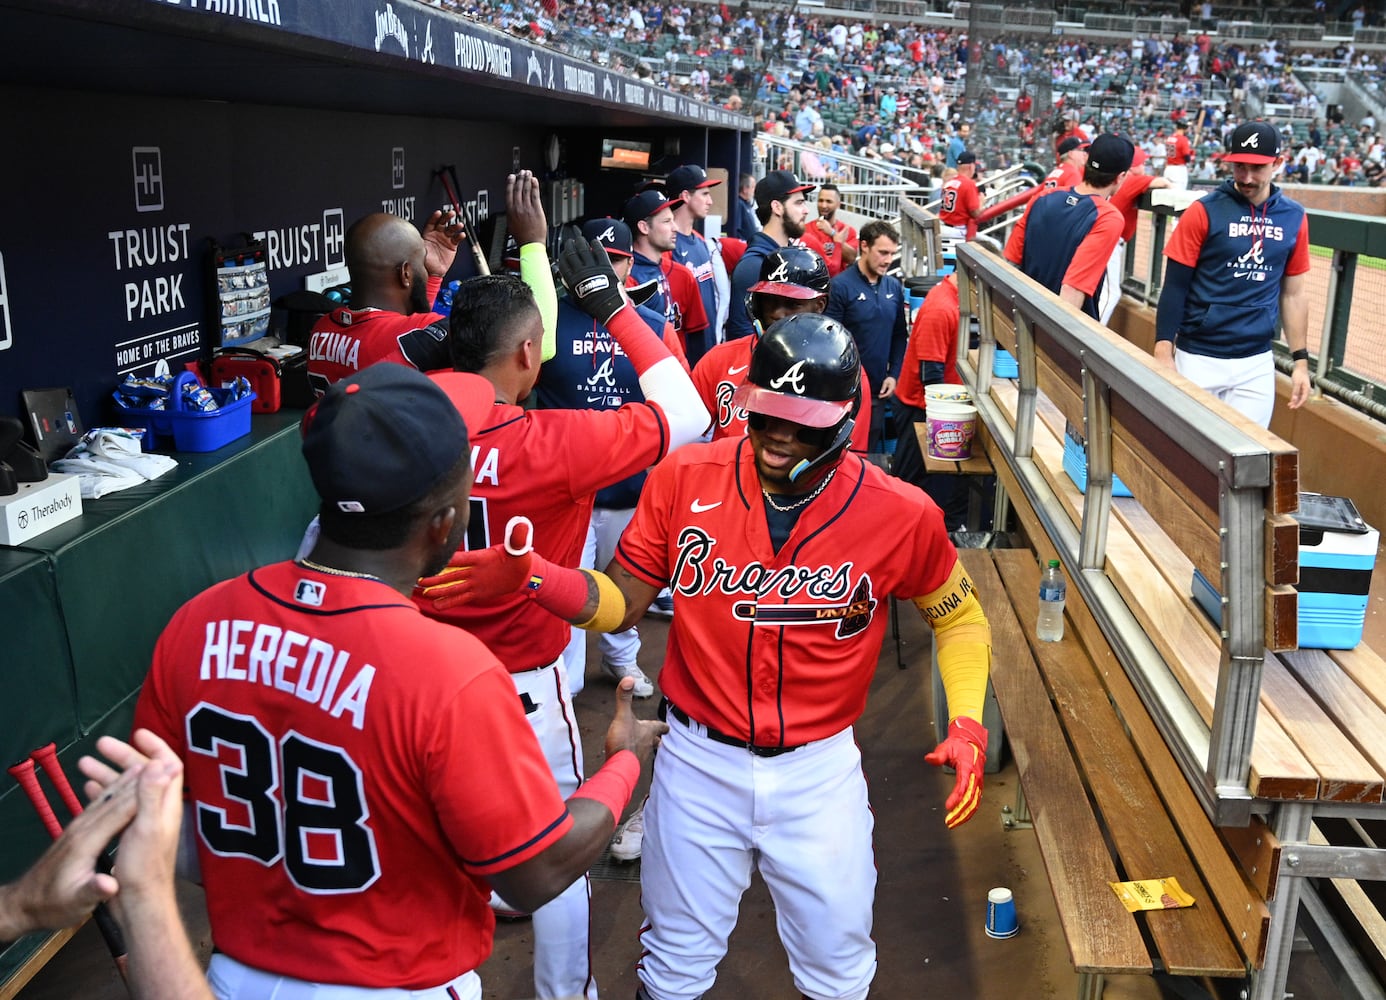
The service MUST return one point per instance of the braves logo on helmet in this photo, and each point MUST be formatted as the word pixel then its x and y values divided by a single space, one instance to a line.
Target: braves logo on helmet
pixel 607 235
pixel 793 377
pixel 780 271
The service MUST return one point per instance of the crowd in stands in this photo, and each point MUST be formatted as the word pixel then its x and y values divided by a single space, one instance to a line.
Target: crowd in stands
pixel 895 91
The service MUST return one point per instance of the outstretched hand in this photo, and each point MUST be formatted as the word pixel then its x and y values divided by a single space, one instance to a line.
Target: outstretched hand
pixel 483 575
pixel 590 279
pixel 626 732
pixel 965 750
pixel 442 234
pixel 525 209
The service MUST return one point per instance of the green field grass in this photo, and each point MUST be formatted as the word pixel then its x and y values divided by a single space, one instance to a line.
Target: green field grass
pixel 1376 263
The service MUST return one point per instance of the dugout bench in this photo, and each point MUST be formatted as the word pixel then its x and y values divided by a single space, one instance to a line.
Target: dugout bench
pixel 1152 742
pixel 85 602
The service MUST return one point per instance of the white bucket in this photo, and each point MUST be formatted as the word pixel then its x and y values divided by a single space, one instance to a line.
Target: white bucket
pixel 946 392
pixel 951 427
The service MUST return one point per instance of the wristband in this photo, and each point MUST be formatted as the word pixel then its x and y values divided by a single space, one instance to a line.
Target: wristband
pixel 1299 355
pixel 557 589
pixel 613 784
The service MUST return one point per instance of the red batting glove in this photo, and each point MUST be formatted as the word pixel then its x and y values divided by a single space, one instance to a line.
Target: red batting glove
pixel 483 575
pixel 965 750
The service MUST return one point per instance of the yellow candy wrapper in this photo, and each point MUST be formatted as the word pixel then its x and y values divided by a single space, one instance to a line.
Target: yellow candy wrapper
pixel 1152 894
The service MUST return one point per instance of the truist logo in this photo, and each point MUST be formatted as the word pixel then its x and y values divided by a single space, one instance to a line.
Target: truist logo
pixel 794 378
pixel 828 594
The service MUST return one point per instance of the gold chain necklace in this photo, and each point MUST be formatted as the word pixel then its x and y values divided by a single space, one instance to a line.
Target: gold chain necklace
pixel 770 497
pixel 309 564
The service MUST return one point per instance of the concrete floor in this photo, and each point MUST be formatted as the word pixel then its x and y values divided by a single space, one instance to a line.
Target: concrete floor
pixel 930 903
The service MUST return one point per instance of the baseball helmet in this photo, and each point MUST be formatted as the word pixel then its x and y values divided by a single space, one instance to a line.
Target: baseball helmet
pixel 805 369
pixel 789 272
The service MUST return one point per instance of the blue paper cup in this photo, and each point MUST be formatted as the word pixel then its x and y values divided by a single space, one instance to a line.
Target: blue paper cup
pixel 1001 920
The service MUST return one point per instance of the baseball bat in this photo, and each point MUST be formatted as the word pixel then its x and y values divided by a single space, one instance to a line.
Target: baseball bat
pixel 24 773
pixel 448 176
pixel 47 758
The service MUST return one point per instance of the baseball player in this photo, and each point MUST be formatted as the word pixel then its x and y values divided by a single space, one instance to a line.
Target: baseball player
pixel 930 358
pixel 1178 153
pixel 830 237
pixel 1137 183
pixel 792 280
pixel 870 302
pixel 1238 265
pixel 1073 156
pixel 395 277
pixel 590 371
pixel 692 188
pixel 772 545
pixel 356 773
pixel 782 210
pixel 1079 228
pixel 961 202
pixel 547 465
pixel 650 216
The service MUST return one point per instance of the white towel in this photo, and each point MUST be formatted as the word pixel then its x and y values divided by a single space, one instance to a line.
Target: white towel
pixel 108 459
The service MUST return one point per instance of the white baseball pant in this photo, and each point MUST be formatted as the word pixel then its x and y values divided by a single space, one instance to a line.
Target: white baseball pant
pixel 714 813
pixel 1178 176
pixel 1110 293
pixel 619 648
pixel 1245 384
pixel 233 980
pixel 562 927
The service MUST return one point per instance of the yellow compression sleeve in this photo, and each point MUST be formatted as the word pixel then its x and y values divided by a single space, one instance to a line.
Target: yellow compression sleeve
pixel 964 642
pixel 535 272
pixel 611 604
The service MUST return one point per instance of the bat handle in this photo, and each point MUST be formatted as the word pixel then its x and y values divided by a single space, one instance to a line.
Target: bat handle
pixel 23 772
pixel 47 758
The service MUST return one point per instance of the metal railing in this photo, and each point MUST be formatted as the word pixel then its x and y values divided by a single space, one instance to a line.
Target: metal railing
pixel 869 187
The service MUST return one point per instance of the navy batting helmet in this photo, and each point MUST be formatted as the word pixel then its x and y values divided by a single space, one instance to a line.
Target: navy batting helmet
pixel 788 273
pixel 805 369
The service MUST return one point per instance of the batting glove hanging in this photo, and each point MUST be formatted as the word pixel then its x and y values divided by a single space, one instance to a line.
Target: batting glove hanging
pixel 591 281
pixel 483 575
pixel 965 750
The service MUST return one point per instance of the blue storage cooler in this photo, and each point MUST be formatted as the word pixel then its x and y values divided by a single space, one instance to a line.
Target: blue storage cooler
pixel 1337 553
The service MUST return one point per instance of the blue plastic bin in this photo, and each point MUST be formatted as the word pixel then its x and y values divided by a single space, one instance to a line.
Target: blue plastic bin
pixel 193 430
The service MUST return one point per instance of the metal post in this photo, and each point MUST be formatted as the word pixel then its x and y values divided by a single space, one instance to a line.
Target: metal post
pixel 1097 498
pixel 1290 823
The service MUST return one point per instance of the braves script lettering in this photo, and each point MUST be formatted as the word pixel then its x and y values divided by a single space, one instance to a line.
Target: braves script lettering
pixel 698 572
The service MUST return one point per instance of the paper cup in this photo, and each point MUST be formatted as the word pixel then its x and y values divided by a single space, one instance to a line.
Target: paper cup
pixel 1001 919
pixel 950 428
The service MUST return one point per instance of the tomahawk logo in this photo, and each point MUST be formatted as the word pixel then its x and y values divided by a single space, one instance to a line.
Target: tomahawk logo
pixel 608 89
pixel 6 338
pixel 534 69
pixel 149 178
pixel 397 168
pixel 794 378
pixel 780 273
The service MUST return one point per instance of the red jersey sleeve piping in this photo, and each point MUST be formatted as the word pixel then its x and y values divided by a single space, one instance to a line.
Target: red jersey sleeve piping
pixel 523 852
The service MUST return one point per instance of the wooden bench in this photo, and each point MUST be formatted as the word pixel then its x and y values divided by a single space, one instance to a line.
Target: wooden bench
pixel 1288 737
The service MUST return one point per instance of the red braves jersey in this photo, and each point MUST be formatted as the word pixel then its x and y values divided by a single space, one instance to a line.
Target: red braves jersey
pixel 1092 230
pixel 685 297
pixel 1063 176
pixel 960 199
pixel 355 771
pixel 724 368
pixel 1178 152
pixel 829 248
pixel 933 338
pixel 546 465
pixel 347 340
pixel 1124 201
pixel 778 648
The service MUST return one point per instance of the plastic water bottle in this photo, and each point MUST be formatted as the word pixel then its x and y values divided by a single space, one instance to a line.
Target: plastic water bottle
pixel 1053 589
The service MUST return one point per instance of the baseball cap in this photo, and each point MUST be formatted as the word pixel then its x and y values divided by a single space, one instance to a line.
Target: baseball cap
pixel 966 157
pixel 610 233
pixel 1138 157
pixel 778 185
pixel 1070 144
pixel 381 439
pixel 689 177
pixel 646 204
pixel 1110 153
pixel 1253 142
